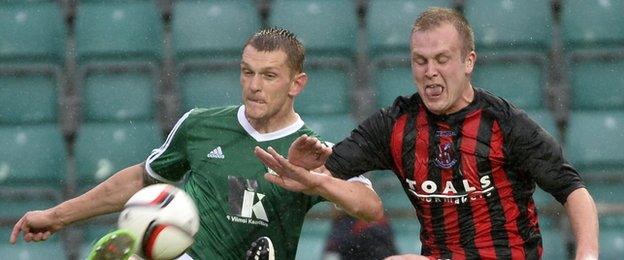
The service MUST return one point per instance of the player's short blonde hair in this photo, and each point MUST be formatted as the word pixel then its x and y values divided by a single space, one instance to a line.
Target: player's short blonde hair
pixel 436 16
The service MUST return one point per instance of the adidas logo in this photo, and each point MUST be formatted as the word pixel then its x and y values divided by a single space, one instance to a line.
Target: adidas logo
pixel 217 153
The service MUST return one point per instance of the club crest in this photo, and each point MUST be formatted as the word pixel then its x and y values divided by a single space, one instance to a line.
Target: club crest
pixel 445 156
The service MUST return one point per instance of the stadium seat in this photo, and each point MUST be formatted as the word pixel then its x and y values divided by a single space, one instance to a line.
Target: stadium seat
pixel 389 23
pixel 604 29
pixel 325 27
pixel 522 83
pixel 103 148
pixel 50 249
pixel 510 25
pixel 609 192
pixel 314 233
pixel 553 241
pixel 594 142
pixel 391 82
pixel 391 192
pixel 327 92
pixel 32 32
pixel 32 156
pixel 512 40
pixel 200 87
pixel 118 30
pixel 611 236
pixel 29 99
pixel 212 30
pixel 597 83
pixel 544 119
pixel 119 48
pixel 122 96
pixel 332 128
pixel 595 52
pixel 14 208
pixel 407 235
pixel 32 52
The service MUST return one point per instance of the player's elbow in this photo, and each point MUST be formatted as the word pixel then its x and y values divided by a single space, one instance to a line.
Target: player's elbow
pixel 371 212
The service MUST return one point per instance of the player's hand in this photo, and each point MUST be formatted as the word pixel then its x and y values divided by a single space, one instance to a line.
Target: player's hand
pixel 36 225
pixel 288 176
pixel 308 152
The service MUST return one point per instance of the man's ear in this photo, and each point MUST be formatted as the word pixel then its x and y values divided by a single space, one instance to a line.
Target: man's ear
pixel 299 83
pixel 470 61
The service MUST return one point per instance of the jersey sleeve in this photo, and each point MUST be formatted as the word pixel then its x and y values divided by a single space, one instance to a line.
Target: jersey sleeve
pixel 537 153
pixel 169 163
pixel 366 149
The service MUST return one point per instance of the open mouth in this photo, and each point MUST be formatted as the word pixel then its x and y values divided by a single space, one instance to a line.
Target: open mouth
pixel 433 90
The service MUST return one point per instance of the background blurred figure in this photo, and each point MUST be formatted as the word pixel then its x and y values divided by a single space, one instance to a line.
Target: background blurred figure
pixel 351 238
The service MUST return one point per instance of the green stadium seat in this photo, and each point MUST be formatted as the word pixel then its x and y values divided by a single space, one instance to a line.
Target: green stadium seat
pixel 512 39
pixel 332 128
pixel 592 24
pixel 210 30
pixel 50 249
pixel 389 23
pixel 210 88
pixel 609 192
pixel 522 83
pixel 14 208
pixel 407 235
pixel 553 241
pixel 314 233
pixel 104 148
pixel 611 236
pixel 510 25
pixel 597 84
pixel 327 92
pixel 32 33
pixel 325 27
pixel 544 119
pixel 392 82
pixel 32 51
pixel 118 30
pixel 594 142
pixel 595 52
pixel 28 99
pixel 32 156
pixel 119 48
pixel 394 198
pixel 119 96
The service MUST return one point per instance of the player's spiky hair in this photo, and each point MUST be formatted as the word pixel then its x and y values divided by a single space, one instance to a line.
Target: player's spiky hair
pixel 436 16
pixel 272 39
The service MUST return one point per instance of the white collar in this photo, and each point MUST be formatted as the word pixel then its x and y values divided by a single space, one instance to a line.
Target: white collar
pixel 260 137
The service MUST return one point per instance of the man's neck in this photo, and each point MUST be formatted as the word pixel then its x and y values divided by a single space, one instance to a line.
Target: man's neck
pixel 274 123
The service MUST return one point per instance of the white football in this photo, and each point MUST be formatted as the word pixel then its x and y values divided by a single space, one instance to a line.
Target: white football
pixel 164 220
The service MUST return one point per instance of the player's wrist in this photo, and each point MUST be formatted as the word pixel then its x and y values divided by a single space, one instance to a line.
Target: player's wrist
pixel 59 221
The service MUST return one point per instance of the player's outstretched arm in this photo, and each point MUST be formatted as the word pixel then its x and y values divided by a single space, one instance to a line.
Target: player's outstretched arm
pixel 109 196
pixel 355 198
pixel 583 217
pixel 308 152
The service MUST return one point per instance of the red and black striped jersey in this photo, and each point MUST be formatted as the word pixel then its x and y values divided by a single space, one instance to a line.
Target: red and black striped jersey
pixel 470 175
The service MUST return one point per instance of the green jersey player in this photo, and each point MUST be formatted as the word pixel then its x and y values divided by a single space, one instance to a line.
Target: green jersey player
pixel 212 151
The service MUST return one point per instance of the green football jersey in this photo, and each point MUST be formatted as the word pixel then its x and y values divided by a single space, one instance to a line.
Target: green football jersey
pixel 211 150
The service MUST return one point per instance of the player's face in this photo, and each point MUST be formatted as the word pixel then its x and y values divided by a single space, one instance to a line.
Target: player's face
pixel 268 85
pixel 441 74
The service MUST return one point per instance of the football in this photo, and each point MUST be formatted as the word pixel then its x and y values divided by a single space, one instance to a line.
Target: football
pixel 164 220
